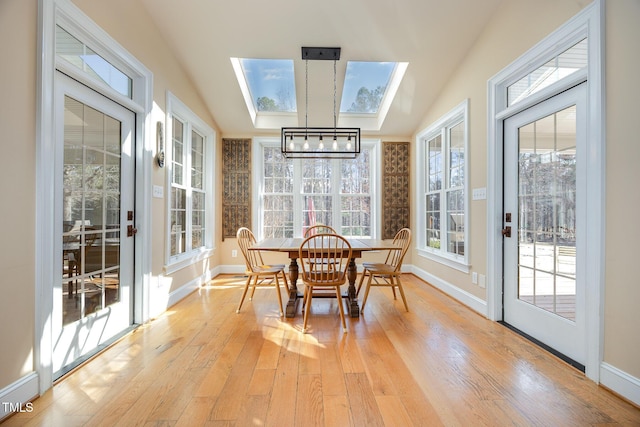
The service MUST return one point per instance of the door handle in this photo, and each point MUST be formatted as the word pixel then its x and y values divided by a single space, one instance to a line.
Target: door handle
pixel 131 230
pixel 506 232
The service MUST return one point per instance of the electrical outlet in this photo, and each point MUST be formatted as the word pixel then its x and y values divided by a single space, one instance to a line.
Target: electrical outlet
pixel 482 281
pixel 474 278
pixel 234 253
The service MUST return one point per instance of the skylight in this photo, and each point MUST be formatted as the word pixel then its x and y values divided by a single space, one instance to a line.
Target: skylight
pixel 268 88
pixel 271 84
pixel 365 86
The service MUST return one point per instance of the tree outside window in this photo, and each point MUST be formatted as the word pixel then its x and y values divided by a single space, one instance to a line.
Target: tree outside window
pixel 300 193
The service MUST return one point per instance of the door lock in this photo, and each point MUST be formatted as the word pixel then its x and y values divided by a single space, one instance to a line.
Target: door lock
pixel 506 232
pixel 131 230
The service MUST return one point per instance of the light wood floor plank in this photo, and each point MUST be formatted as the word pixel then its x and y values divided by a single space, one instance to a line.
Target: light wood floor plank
pixel 441 364
pixel 337 411
pixel 309 404
pixel 364 408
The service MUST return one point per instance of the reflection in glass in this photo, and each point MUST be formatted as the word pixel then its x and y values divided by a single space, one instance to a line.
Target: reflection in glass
pixel 565 64
pixel 547 213
pixel 91 209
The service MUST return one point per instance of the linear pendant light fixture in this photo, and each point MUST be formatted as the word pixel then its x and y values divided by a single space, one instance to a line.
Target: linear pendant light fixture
pixel 320 142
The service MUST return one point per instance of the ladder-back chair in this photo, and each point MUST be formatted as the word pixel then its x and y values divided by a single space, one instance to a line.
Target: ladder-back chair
pixel 258 273
pixel 331 273
pixel 387 273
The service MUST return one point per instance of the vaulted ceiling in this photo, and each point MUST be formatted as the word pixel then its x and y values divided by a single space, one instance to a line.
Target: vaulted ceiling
pixel 433 36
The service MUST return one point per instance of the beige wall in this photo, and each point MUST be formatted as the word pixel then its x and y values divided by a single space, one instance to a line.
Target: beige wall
pixel 502 42
pixel 622 292
pixel 17 187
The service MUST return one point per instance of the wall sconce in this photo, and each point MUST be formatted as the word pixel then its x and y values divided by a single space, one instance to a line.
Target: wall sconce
pixel 160 144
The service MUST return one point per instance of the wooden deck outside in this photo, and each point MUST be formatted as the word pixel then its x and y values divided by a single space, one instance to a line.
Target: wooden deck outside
pixel 201 364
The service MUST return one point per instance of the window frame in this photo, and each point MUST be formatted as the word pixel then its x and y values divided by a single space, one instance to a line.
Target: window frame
pixel 441 127
pixel 192 123
pixel 258 184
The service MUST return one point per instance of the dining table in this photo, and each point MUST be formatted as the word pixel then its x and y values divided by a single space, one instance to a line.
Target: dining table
pixel 291 246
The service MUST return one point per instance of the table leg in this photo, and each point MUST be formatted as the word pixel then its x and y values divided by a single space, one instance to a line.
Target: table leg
pixel 71 266
pixel 352 298
pixel 292 304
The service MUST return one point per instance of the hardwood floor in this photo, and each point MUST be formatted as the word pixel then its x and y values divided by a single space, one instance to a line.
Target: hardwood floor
pixel 201 364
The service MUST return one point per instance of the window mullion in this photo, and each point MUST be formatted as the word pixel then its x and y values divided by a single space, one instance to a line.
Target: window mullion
pixel 444 198
pixel 187 180
pixel 336 176
pixel 297 195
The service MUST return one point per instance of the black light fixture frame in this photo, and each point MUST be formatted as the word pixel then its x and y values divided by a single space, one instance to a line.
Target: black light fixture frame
pixel 314 135
pixel 320 142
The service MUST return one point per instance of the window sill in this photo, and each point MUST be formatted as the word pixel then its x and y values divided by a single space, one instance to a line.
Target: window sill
pixel 455 263
pixel 186 260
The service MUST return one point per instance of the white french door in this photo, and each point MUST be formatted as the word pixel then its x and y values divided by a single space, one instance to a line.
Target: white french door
pixel 94 210
pixel 544 222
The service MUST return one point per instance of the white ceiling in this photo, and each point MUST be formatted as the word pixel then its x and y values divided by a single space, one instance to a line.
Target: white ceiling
pixel 433 36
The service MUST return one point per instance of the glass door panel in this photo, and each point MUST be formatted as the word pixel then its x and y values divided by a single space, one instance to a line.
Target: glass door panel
pixel 547 213
pixel 544 175
pixel 92 301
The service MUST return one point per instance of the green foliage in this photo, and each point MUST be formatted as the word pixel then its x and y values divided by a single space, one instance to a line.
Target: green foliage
pixel 367 101
pixel 265 103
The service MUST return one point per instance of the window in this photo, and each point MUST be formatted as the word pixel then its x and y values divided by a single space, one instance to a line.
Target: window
pixel 365 85
pixel 269 91
pixel 566 63
pixel 443 190
pixel 369 89
pixel 81 56
pixel 298 193
pixel 268 88
pixel 190 173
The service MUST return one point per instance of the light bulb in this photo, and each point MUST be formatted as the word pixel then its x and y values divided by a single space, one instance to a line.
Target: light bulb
pixel 335 144
pixel 306 143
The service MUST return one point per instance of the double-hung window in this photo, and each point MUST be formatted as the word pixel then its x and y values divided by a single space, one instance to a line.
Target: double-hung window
pixel 298 193
pixel 190 163
pixel 442 186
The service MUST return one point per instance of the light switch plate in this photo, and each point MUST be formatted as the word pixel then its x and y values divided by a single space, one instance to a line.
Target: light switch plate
pixel 480 193
pixel 158 191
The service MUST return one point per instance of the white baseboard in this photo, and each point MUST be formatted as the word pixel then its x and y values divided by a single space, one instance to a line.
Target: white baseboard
pixel 620 382
pixel 232 269
pixel 460 295
pixel 14 397
pixel 161 301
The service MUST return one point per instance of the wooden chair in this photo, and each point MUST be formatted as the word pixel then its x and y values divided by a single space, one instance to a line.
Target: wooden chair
pixel 258 273
pixel 75 251
pixel 319 229
pixel 332 274
pixel 387 273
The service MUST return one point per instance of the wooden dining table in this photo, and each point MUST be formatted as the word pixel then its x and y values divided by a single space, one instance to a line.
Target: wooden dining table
pixel 291 247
